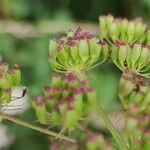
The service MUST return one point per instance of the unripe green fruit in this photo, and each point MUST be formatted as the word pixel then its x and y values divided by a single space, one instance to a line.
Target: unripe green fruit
pixel 71 119
pixel 133 88
pixel 121 29
pixel 135 57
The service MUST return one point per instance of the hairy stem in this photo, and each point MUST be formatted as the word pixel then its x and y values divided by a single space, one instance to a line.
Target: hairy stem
pixel 34 127
pixel 119 139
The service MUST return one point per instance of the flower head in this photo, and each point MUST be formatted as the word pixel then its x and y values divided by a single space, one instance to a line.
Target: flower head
pixel 64 102
pixel 9 77
pixel 113 29
pixel 133 88
pixel 76 52
pixel 134 56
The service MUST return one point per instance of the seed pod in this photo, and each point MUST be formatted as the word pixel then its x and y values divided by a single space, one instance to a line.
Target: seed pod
pixel 40 108
pixel 16 77
pixel 121 29
pixel 144 57
pixel 135 57
pixel 55 118
pixel 146 100
pixel 9 77
pixel 105 21
pixel 95 50
pixel 52 48
pixel 74 53
pixel 113 31
pixel 148 37
pixel 114 54
pixel 78 102
pixel 56 80
pixel 50 102
pixel 6 95
pixel 122 53
pixel 63 106
pixel 130 31
pixel 104 51
pixel 140 28
pixel 135 54
pixel 94 141
pixel 4 83
pixel 133 88
pixel 71 119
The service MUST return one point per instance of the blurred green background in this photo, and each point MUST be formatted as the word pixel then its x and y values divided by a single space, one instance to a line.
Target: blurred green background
pixel 25 29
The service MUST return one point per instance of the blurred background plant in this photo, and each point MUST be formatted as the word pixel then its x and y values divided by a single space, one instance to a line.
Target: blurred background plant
pixel 25 29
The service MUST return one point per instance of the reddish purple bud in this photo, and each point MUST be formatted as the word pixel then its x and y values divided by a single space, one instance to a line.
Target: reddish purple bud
pixel 70 77
pixel 40 100
pixel 16 67
pixel 11 71
pixel 60 43
pixel 47 88
pixel 1 73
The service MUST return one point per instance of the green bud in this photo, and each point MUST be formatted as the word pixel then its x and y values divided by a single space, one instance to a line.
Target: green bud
pixel 148 37
pixel 78 103
pixel 113 31
pixel 84 51
pixel 104 51
pixel 103 27
pixel 55 118
pixel 95 142
pixel 144 57
pixel 4 83
pixel 140 28
pixel 52 48
pixel 6 95
pixel 122 53
pixel 71 119
pixel 38 104
pixel 123 27
pixel 57 80
pixel 74 53
pixel 130 30
pixel 9 77
pixel 95 50
pixel 41 114
pixel 114 54
pixel 135 97
pixel 63 107
pixel 16 77
pixel 135 54
pixel 146 100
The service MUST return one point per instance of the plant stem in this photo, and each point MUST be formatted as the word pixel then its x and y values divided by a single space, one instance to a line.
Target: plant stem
pixel 119 139
pixel 34 127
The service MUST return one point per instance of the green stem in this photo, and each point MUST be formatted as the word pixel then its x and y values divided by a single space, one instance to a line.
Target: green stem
pixel 37 128
pixel 119 139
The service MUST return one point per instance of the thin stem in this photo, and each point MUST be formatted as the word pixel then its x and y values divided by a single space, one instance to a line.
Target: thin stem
pixel 119 139
pixel 37 128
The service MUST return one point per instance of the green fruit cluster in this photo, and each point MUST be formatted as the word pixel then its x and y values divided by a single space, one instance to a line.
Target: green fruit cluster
pixel 64 102
pixel 133 88
pixel 113 29
pixel 137 129
pixel 9 77
pixel 76 52
pixel 135 56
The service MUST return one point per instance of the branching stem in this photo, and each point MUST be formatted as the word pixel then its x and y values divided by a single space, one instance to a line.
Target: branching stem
pixel 34 127
pixel 119 139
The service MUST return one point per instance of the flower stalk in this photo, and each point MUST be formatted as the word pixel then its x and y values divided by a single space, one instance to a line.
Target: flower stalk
pixel 34 127
pixel 119 139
